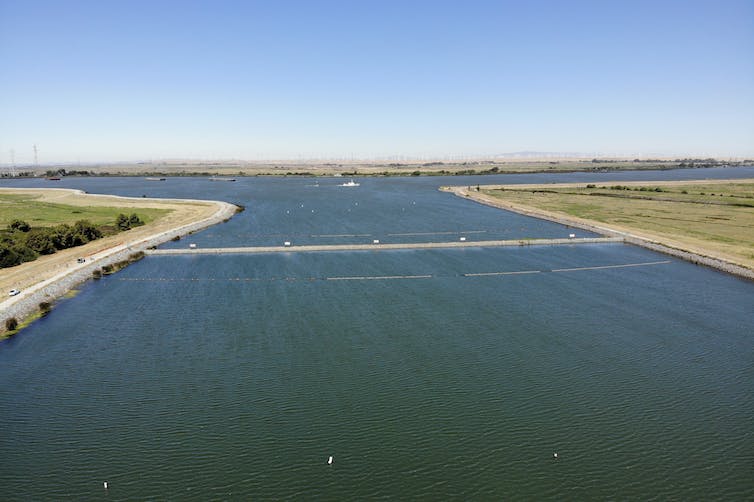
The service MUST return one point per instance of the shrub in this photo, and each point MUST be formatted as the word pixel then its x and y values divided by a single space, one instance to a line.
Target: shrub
pixel 134 220
pixel 97 274
pixel 121 222
pixel 11 324
pixel 590 185
pixel 45 307
pixel 19 225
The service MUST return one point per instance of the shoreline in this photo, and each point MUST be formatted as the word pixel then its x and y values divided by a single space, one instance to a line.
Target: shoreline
pixel 647 242
pixel 405 168
pixel 26 304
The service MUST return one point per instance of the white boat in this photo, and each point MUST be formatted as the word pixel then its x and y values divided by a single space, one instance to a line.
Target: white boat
pixel 351 183
pixel 215 178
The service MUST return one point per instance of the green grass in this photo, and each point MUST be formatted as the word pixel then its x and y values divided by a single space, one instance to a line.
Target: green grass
pixel 47 214
pixel 686 213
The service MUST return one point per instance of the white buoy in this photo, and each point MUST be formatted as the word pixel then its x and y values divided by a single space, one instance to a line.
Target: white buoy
pixel 105 485
pixel 329 460
pixel 554 455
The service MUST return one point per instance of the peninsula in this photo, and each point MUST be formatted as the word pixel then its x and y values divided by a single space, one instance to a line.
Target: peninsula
pixel 703 221
pixel 51 276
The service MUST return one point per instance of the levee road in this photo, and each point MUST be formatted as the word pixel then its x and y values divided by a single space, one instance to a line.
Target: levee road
pixel 382 246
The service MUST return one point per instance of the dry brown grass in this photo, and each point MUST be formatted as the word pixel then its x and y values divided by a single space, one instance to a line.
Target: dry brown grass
pixel 719 225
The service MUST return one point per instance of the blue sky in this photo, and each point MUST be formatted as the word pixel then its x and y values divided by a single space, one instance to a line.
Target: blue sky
pixel 105 81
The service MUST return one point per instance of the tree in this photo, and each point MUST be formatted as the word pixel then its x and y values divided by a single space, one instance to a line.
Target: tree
pixel 8 257
pixel 62 236
pixel 40 241
pixel 86 230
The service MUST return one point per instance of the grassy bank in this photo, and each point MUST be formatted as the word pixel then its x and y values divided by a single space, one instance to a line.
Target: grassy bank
pixel 51 276
pixel 43 213
pixel 49 208
pixel 51 227
pixel 714 218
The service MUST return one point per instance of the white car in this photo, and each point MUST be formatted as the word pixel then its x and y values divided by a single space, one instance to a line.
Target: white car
pixel 13 292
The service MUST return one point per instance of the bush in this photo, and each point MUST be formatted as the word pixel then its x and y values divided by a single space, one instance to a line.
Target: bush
pixel 19 225
pixel 97 274
pixel 591 186
pixel 121 222
pixel 134 220
pixel 11 324
pixel 45 307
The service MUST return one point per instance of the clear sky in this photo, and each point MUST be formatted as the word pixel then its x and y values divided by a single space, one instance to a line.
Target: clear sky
pixel 114 80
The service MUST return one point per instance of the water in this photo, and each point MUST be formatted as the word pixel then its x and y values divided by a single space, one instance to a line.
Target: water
pixel 235 377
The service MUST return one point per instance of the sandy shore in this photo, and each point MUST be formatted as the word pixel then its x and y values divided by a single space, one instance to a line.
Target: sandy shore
pixel 50 277
pixel 698 255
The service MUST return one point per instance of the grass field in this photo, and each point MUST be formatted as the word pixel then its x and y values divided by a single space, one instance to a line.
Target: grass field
pixel 41 213
pixel 716 218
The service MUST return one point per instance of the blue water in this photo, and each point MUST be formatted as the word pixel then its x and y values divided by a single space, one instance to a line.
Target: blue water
pixel 235 377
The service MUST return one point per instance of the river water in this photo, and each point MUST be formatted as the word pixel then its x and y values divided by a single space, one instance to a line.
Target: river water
pixel 426 374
